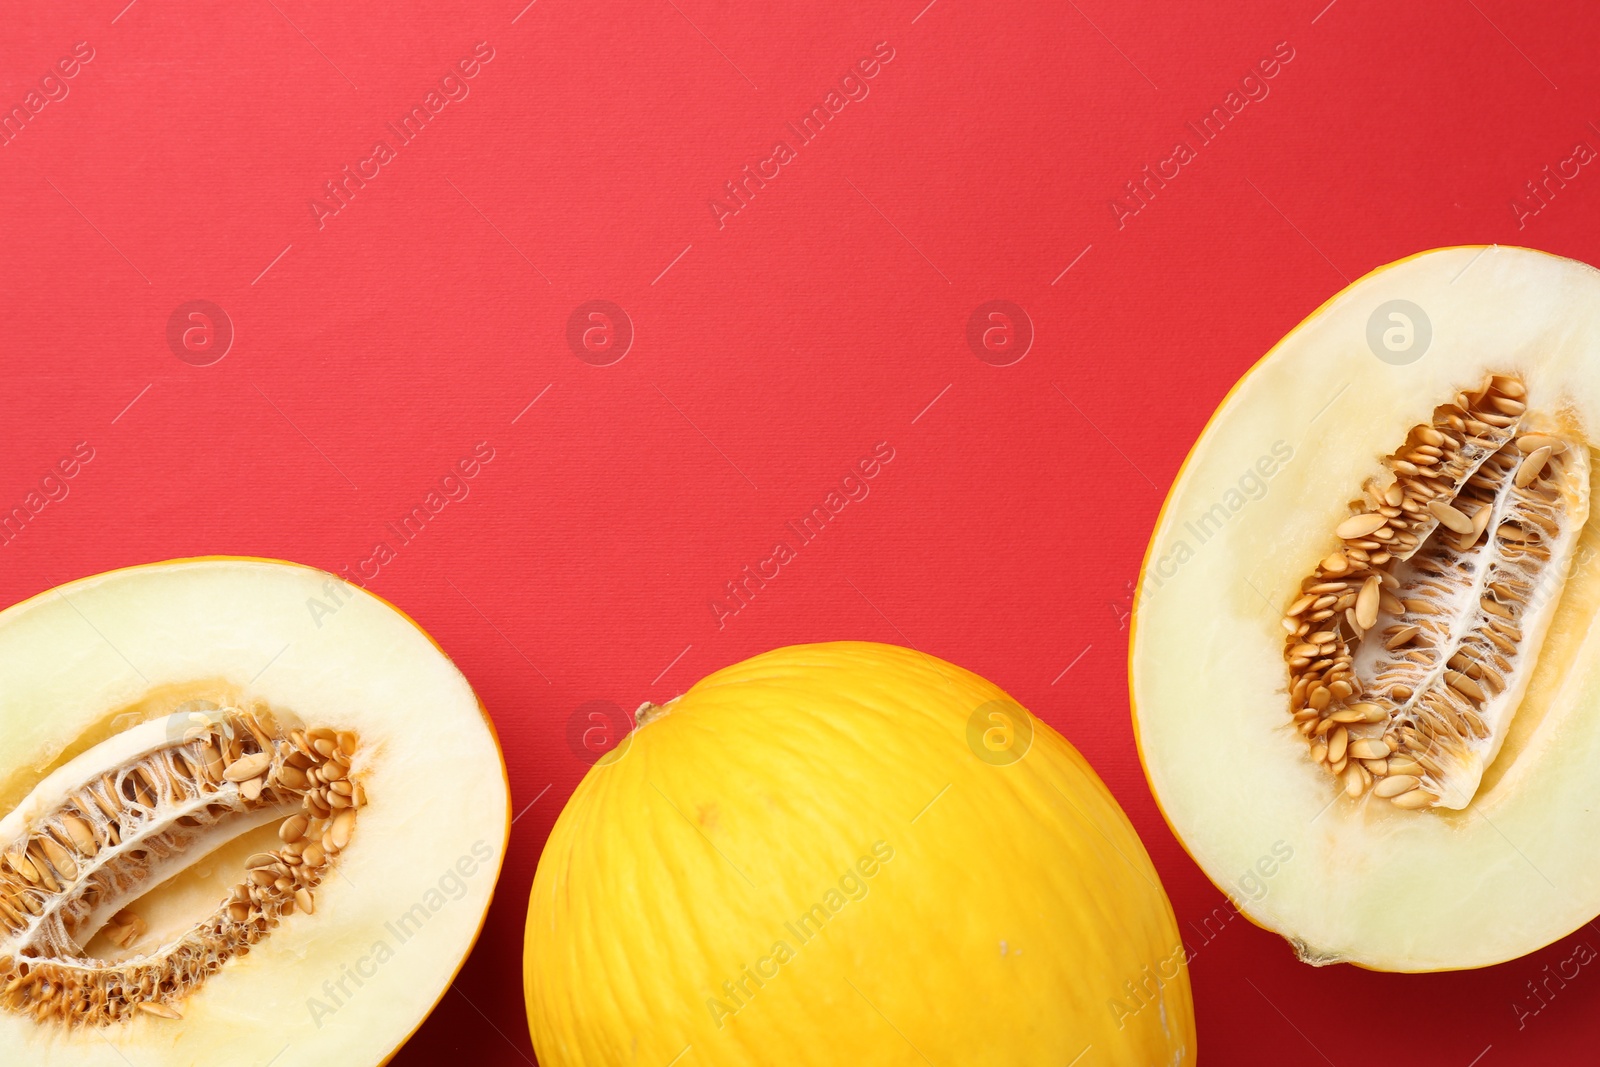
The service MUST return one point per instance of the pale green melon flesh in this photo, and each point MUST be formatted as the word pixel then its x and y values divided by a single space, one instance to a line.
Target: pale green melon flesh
pixel 406 898
pixel 1284 455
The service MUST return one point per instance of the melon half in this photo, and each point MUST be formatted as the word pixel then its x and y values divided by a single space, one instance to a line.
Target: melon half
pixel 248 813
pixel 1364 666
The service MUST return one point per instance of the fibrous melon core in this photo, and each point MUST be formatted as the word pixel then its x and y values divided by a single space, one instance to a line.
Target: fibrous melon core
pixel 1411 643
pixel 135 811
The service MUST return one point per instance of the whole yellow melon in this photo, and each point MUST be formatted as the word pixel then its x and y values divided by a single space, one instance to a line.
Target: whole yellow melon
pixel 850 853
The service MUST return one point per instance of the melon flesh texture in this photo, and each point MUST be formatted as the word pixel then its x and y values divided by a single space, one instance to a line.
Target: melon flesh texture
pixel 111 669
pixel 1514 867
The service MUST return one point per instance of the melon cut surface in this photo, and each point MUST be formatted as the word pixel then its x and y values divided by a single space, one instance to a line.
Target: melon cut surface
pixel 850 853
pixel 246 811
pixel 1363 641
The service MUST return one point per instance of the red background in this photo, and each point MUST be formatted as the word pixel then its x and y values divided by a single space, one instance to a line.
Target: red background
pixel 829 314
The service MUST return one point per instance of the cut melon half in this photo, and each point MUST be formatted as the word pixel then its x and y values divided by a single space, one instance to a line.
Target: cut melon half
pixel 1364 665
pixel 246 810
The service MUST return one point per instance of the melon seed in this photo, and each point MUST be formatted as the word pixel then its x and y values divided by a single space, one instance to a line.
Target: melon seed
pixel 1369 748
pixel 1359 526
pixel 38 871
pixel 344 825
pixel 1366 607
pixel 1395 784
pixel 1450 517
pixel 1532 466
pixel 1439 681
pixel 247 767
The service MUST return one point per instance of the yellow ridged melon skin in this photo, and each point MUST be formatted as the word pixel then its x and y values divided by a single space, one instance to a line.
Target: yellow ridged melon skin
pixel 960 911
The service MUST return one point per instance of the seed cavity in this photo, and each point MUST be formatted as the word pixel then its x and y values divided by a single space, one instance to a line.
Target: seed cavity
pixel 78 869
pixel 1409 646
